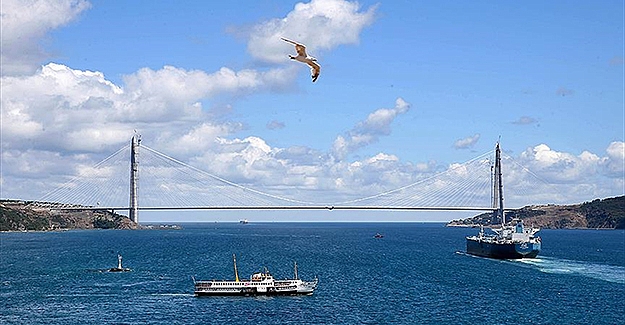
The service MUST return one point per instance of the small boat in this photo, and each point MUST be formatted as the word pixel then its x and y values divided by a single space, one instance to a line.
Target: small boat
pixel 260 283
pixel 378 235
pixel 119 267
pixel 244 222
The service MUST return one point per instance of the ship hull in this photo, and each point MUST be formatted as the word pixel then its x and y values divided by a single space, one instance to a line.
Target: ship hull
pixel 251 292
pixel 248 294
pixel 502 250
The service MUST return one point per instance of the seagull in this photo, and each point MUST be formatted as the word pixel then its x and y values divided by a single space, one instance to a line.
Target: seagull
pixel 315 68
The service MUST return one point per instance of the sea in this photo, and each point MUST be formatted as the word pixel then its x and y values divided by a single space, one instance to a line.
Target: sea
pixel 418 273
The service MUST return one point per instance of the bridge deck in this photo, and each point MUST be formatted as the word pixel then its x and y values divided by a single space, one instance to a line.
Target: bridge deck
pixel 305 207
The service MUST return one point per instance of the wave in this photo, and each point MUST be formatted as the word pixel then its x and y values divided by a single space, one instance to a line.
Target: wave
pixel 139 283
pixel 173 294
pixel 605 272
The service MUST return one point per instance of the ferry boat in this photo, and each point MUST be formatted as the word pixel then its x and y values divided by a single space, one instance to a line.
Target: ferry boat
pixel 119 267
pixel 509 241
pixel 260 283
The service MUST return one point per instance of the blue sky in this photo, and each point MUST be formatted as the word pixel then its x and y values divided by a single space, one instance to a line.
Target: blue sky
pixel 422 83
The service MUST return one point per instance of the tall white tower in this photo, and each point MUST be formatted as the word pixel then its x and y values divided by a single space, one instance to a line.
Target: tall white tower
pixel 134 177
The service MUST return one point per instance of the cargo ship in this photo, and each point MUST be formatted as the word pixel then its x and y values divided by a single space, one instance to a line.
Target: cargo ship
pixel 260 283
pixel 509 241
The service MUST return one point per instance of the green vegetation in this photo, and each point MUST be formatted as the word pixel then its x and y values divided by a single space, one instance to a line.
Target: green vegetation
pixel 11 220
pixel 602 214
pixel 18 215
pixel 607 213
pixel 102 223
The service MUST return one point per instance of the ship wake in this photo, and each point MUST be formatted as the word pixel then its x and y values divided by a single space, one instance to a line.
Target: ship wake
pixel 605 272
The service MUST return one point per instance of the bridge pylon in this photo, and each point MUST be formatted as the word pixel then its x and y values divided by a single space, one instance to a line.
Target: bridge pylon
pixel 498 187
pixel 134 178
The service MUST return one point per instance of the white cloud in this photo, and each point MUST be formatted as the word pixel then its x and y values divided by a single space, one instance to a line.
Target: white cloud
pixel 201 138
pixel 173 84
pixel 68 109
pixel 28 174
pixel 97 138
pixel 615 161
pixel 17 121
pixel 320 24
pixel 61 108
pixel 562 167
pixel 242 160
pixel 25 23
pixel 467 142
pixel 369 131
pixel 543 175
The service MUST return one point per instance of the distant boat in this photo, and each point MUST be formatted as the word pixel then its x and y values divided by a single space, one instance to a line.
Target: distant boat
pixel 378 235
pixel 244 221
pixel 260 283
pixel 119 267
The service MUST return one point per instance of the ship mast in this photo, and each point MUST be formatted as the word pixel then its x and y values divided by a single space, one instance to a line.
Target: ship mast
pixel 498 186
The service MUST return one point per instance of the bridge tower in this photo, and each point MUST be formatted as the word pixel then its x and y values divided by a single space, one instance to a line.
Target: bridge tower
pixel 134 177
pixel 498 186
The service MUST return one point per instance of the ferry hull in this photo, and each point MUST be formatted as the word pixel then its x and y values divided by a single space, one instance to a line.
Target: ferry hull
pixel 502 250
pixel 202 290
pixel 250 293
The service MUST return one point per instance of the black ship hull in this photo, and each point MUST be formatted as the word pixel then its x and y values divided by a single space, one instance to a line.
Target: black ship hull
pixel 502 250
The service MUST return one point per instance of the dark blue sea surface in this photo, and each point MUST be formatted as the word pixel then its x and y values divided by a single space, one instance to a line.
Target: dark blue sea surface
pixel 416 274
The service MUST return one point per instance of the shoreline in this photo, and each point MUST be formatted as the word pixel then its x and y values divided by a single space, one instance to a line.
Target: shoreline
pixel 179 227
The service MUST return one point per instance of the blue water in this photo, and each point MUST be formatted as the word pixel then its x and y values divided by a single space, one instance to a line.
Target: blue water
pixel 416 274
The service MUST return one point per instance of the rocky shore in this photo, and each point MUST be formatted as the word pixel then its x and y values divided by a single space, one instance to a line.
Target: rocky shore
pixel 598 214
pixel 17 215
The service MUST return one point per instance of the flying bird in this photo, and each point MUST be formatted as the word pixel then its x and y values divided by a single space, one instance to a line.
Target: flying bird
pixel 315 68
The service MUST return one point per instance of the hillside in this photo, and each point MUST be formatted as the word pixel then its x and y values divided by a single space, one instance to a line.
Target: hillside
pixel 17 215
pixel 600 214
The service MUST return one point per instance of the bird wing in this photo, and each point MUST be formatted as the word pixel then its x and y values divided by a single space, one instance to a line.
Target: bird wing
pixel 299 47
pixel 315 69
pixel 289 41
pixel 313 65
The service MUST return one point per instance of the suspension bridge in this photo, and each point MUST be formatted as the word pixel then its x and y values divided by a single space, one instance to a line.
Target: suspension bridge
pixel 159 182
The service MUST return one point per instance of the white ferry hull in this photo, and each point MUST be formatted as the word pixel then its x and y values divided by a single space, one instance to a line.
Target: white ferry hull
pixel 251 292
pixel 208 288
